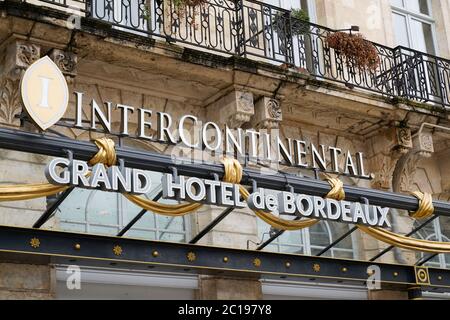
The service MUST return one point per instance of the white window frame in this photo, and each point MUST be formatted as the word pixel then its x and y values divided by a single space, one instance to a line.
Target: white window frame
pixel 423 18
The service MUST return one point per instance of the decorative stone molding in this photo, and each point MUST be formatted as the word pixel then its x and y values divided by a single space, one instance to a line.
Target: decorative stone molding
pixel 423 144
pixel 19 55
pixel 10 103
pixel 383 165
pixel 267 114
pixel 387 148
pixel 66 62
pixel 404 140
pixel 26 54
pixel 233 109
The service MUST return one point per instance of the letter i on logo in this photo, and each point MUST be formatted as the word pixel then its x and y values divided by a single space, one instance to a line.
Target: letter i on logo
pixel 44 93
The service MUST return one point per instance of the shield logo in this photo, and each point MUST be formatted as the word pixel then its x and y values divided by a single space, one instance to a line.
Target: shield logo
pixel 45 94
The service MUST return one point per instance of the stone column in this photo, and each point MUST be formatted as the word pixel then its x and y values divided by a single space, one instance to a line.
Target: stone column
pixel 233 109
pixel 385 150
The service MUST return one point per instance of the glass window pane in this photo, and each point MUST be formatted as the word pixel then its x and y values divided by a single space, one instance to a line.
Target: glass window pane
pixel 130 210
pixel 315 251
pixel 73 208
pixel 102 207
pixel 342 254
pixel 170 223
pixel 290 4
pixel 73 227
pixel 141 234
pixel 397 3
pixel 422 36
pixel 337 230
pixel 291 237
pixel 401 30
pixel 418 6
pixel 291 249
pixel 103 230
pixel 319 234
pixel 271 248
pixel 172 237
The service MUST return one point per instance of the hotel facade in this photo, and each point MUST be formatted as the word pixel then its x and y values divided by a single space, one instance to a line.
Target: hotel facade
pixel 291 124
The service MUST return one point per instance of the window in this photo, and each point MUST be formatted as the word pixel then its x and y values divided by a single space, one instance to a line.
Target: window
pixel 438 230
pixel 311 241
pixel 413 24
pixel 100 212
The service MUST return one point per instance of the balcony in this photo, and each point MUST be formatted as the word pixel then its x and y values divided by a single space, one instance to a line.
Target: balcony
pixel 263 32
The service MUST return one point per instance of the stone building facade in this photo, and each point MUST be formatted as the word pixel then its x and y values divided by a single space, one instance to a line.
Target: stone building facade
pixel 123 64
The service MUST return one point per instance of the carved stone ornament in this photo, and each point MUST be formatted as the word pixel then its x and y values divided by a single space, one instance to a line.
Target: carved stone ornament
pixel 274 109
pixel 244 102
pixel 10 103
pixel 66 61
pixel 267 114
pixel 19 56
pixel 423 143
pixel 234 108
pixel 404 137
pixel 27 54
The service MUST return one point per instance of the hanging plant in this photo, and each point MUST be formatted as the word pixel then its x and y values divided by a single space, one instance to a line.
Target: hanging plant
pixel 146 14
pixel 355 48
pixel 300 21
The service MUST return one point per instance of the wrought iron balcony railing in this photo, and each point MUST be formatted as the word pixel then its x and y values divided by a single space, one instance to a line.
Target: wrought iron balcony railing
pixel 257 30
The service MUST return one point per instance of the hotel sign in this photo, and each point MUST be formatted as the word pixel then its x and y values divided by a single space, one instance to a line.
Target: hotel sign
pixel 45 96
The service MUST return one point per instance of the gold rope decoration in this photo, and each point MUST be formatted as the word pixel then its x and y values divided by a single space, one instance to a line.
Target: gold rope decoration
pixel 106 155
pixel 401 241
pixel 172 210
pixel 233 174
pixel 106 152
pixel 337 189
pixel 28 191
pixel 426 208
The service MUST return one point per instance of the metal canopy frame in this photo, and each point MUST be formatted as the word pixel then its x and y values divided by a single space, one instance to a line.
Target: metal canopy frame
pixel 113 252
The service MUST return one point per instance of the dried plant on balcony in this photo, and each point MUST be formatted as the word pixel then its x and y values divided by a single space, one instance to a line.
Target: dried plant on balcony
pixel 355 48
